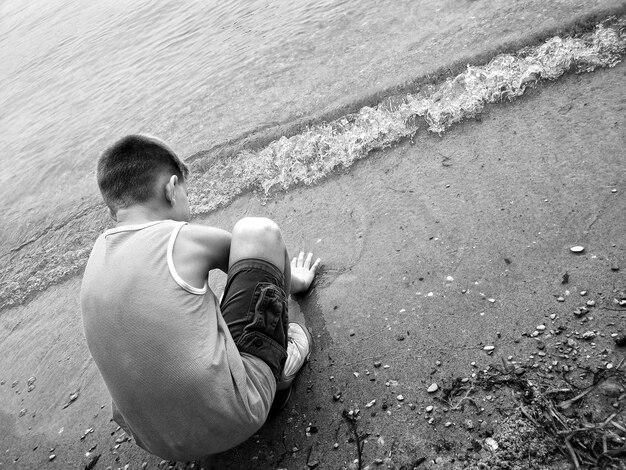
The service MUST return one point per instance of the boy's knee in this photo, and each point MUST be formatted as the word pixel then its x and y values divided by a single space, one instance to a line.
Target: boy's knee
pixel 258 228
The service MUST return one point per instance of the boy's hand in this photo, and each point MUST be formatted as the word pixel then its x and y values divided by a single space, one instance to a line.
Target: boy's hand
pixel 303 272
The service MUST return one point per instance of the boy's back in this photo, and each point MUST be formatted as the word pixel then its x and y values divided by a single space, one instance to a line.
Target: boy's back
pixel 192 392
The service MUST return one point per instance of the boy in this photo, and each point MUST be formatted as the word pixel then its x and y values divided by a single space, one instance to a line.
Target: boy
pixel 188 376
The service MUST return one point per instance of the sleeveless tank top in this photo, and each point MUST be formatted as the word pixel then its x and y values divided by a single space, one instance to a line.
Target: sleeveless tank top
pixel 178 383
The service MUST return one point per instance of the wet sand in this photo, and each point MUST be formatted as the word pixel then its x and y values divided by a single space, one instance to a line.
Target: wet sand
pixel 494 204
pixel 524 183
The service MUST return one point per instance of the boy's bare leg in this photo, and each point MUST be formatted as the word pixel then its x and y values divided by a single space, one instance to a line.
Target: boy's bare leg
pixel 258 237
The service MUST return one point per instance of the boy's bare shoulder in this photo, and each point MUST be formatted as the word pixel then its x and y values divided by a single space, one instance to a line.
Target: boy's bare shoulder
pixel 202 233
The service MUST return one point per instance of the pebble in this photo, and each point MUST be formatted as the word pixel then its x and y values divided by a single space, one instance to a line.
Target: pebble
pixel 469 424
pixel 433 388
pixel 577 249
pixel 23 411
pixel 93 460
pixel 87 431
pixel 429 408
pixel 489 348
pixel 52 457
pixel 371 403
pixel 610 389
pixel 560 299
pixel 583 293
pixel 491 444
pixel 552 316
pixel 588 335
pixel 377 364
pixel 448 424
pixel 400 398
pixel 591 303
pixel 541 327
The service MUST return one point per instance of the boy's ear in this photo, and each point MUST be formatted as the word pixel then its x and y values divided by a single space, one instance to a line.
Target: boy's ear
pixel 170 189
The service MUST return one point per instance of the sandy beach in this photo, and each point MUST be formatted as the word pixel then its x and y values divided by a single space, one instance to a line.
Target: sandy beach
pixel 432 250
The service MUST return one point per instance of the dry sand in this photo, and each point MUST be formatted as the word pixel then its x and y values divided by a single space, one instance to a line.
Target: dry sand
pixel 495 204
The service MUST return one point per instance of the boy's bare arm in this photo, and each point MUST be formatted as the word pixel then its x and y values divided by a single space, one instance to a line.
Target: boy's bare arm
pixel 198 250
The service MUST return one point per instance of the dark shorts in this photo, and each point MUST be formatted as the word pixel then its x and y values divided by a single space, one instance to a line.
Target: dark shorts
pixel 255 309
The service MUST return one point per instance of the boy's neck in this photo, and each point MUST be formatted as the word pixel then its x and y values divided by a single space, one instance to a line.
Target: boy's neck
pixel 139 214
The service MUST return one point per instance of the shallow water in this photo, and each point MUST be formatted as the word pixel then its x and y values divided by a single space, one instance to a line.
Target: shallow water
pixel 76 76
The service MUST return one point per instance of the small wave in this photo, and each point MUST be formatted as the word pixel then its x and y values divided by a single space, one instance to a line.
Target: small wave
pixel 312 154
pixel 62 250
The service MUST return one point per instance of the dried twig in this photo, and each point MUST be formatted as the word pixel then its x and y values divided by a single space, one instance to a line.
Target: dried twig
pixel 465 397
pixel 572 454
pixel 351 419
pixel 618 426
pixel 564 405
pixel 557 390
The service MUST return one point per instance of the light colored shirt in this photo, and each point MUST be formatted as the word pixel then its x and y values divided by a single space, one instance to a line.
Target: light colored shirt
pixel 178 383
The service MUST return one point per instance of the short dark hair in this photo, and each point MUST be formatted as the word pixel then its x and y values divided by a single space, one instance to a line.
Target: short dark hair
pixel 128 170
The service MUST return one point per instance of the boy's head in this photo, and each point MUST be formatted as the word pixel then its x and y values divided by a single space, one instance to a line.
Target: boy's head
pixel 140 169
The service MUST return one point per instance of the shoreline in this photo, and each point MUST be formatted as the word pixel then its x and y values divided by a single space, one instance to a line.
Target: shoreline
pixel 62 259
pixel 262 136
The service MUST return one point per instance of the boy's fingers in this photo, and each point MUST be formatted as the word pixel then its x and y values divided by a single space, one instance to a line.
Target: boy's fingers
pixel 301 258
pixel 293 262
pixel 307 262
pixel 316 265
